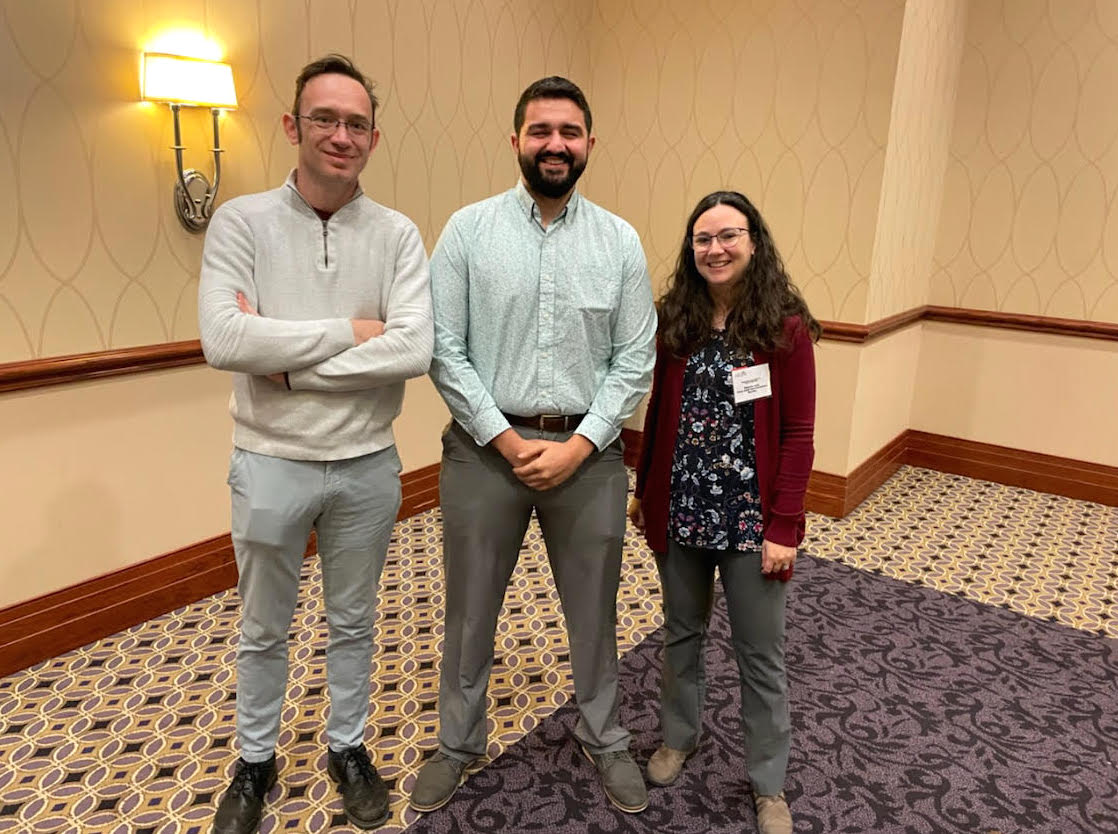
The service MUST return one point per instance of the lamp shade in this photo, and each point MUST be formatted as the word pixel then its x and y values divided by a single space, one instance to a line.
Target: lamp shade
pixel 178 79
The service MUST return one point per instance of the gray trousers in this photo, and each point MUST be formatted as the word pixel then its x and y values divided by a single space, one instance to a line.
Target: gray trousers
pixel 486 511
pixel 756 608
pixel 352 505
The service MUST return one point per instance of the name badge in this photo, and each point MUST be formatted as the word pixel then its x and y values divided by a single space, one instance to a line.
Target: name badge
pixel 750 383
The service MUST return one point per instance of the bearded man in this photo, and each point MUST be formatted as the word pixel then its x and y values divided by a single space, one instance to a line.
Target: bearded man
pixel 544 342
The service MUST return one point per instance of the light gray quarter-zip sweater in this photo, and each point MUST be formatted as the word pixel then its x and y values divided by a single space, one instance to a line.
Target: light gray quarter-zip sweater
pixel 308 278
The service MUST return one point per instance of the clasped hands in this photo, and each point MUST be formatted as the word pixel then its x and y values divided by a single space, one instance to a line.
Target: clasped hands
pixel 542 464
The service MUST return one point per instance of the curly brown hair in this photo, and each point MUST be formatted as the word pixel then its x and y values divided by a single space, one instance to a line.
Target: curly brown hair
pixel 761 301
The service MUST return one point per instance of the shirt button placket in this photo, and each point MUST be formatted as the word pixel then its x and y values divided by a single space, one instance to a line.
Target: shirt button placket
pixel 546 365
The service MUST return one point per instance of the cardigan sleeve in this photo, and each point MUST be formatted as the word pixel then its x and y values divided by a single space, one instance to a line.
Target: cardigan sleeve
pixel 796 367
pixel 648 435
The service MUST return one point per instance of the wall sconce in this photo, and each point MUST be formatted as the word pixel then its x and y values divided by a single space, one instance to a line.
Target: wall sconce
pixel 179 80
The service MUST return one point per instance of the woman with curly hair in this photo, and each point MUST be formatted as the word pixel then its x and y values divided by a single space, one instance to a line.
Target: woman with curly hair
pixel 727 451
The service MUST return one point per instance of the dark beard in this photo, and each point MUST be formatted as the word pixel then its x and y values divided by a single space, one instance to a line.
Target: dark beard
pixel 540 184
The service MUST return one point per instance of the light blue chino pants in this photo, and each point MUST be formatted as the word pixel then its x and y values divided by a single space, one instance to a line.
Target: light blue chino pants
pixel 352 505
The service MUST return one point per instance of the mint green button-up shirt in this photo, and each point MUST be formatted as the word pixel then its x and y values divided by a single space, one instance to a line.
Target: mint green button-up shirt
pixel 533 321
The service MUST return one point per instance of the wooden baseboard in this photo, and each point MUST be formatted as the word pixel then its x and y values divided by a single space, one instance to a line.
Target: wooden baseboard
pixel 1014 467
pixel 421 491
pixel 875 471
pixel 837 496
pixel 47 626
pixel 826 494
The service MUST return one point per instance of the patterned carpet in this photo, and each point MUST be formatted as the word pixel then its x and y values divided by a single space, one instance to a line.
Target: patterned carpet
pixel 914 711
pixel 134 733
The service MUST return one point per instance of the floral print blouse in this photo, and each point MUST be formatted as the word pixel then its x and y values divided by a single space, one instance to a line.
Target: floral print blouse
pixel 715 500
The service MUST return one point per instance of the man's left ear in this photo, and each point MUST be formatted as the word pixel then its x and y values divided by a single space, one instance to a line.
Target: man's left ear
pixel 291 128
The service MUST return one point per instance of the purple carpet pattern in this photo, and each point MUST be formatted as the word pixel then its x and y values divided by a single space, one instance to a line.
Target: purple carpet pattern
pixel 913 711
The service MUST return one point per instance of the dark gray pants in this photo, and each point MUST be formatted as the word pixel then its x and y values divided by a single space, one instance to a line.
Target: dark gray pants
pixel 756 608
pixel 486 511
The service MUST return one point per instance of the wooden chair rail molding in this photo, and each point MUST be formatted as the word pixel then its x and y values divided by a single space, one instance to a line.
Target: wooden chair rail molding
pixel 38 373
pixel 839 331
pixel 46 626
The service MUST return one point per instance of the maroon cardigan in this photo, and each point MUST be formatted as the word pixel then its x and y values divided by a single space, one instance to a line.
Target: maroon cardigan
pixel 784 425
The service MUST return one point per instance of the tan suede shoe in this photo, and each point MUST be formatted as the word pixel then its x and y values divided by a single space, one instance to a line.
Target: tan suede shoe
pixel 665 765
pixel 773 816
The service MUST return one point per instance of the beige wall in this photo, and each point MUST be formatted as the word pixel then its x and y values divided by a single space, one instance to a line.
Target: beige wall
pixel 1054 395
pixel 919 130
pixel 787 102
pixel 1027 223
pixel 886 383
pixel 1030 223
pixel 790 105
pixel 911 193
pixel 836 374
pixel 101 475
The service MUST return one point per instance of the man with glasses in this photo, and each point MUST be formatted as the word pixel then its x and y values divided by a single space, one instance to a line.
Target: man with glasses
pixel 318 299
pixel 544 330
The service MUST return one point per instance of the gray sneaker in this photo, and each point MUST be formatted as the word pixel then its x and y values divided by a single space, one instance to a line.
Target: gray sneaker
pixel 438 779
pixel 621 779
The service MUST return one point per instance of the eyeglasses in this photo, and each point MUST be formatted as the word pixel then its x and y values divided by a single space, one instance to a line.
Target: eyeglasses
pixel 358 129
pixel 727 237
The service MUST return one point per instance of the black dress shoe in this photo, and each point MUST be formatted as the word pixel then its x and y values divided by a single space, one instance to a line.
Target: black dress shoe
pixel 364 794
pixel 240 809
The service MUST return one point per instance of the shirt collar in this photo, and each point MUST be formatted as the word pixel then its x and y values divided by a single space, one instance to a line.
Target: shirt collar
pixel 290 183
pixel 528 204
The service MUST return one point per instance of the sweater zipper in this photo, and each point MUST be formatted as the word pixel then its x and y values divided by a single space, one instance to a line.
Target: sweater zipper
pixel 325 250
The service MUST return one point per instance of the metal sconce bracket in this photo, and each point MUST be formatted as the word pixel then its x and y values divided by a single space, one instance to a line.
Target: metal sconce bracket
pixel 194 196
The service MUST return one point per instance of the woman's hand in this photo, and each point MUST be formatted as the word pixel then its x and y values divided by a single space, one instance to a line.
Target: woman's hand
pixel 636 514
pixel 774 557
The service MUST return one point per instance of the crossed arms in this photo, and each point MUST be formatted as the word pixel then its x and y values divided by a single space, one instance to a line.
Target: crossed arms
pixel 331 354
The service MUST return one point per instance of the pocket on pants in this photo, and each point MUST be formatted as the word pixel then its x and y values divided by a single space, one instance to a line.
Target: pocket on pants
pixel 233 479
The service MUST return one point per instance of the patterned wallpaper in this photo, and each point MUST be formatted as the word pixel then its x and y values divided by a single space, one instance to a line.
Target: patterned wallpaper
pixel 785 100
pixel 788 101
pixel 1030 220
pixel 802 104
pixel 91 254
pixel 919 134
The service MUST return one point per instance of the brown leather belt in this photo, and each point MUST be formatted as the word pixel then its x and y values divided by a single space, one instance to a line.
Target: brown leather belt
pixel 546 422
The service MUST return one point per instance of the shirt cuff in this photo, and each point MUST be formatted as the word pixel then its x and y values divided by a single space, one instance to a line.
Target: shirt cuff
pixel 597 431
pixel 487 425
